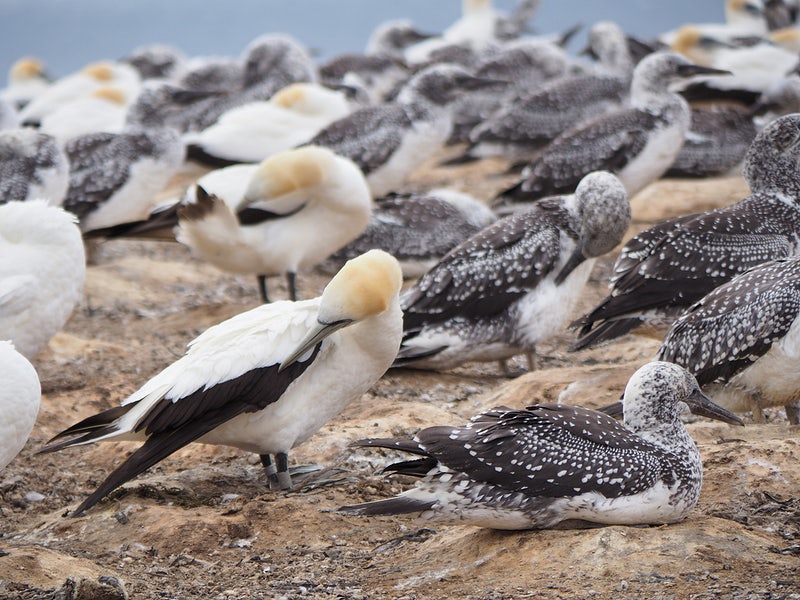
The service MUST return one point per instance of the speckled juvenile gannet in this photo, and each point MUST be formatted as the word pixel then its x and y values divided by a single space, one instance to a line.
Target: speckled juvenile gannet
pixel 206 91
pixel 637 142
pixel 42 271
pixel 663 270
pixel 263 381
pixel 32 165
pixel 716 142
pixel 555 463
pixel 251 132
pixel 20 395
pixel 533 118
pixel 282 216
pixel 390 140
pixel 742 340
pixel 516 282
pixel 418 229
pixel 115 177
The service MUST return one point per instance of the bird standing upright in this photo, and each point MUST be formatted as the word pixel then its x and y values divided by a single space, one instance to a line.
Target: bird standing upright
pixel 515 282
pixel 286 214
pixel 263 381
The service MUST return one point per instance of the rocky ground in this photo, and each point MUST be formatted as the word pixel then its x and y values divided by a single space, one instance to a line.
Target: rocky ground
pixel 201 524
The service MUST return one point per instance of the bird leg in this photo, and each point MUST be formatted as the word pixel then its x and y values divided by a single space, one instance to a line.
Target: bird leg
pixel 262 288
pixel 793 412
pixel 291 276
pixel 283 477
pixel 755 407
pixel 270 469
pixel 533 363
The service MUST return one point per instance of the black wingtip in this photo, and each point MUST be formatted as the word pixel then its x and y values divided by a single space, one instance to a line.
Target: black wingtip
pixel 604 332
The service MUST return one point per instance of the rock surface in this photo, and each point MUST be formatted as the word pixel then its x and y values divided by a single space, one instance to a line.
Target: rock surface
pixel 202 523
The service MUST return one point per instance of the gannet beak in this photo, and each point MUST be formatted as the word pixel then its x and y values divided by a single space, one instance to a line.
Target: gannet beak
pixel 690 70
pixel 314 337
pixel 573 261
pixel 702 405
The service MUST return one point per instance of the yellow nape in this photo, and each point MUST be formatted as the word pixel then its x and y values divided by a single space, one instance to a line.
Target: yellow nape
pixel 286 172
pixel 111 94
pixel 363 287
pixel 101 71
pixel 289 96
pixel 687 42
pixel 26 68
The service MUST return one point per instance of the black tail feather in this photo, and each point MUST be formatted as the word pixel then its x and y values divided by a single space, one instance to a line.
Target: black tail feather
pixel 605 332
pixel 400 505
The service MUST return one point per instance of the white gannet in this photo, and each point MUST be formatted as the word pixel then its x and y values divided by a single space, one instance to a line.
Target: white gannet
pixel 284 215
pixel 516 282
pixel 104 109
pixel 663 270
pixel 81 83
pixel 20 395
pixel 42 271
pixel 26 80
pixel 742 340
pixel 251 132
pixel 32 165
pixel 554 463
pixel 263 381
pixel 638 142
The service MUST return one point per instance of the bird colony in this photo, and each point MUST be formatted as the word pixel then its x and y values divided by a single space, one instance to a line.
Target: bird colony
pixel 315 177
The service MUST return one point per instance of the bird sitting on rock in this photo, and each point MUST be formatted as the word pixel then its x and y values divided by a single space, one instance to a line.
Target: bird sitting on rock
pixel 556 464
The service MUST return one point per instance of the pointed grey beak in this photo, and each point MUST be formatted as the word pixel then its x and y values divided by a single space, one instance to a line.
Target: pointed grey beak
pixel 314 337
pixel 574 260
pixel 702 405
pixel 691 70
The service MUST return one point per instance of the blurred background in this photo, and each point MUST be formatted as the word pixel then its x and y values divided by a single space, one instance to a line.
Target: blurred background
pixel 68 34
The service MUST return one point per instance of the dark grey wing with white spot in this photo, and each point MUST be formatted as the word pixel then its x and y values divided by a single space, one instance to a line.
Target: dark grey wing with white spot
pixel 552 450
pixel 543 115
pixel 21 167
pixel 736 323
pixel 484 274
pixel 678 262
pixel 368 136
pixel 100 165
pixel 607 142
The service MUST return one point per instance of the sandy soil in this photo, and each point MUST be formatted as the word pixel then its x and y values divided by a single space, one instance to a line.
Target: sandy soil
pixel 202 524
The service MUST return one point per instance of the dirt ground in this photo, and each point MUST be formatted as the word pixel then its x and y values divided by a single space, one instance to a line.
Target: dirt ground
pixel 202 524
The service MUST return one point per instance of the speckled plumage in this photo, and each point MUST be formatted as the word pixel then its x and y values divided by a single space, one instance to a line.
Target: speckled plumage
pixel 32 165
pixel 418 229
pixel 515 282
pixel 390 140
pixel 716 143
pixel 269 63
pixel 535 116
pixel 637 142
pixel 114 177
pixel 742 340
pixel 665 269
pixel 538 467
